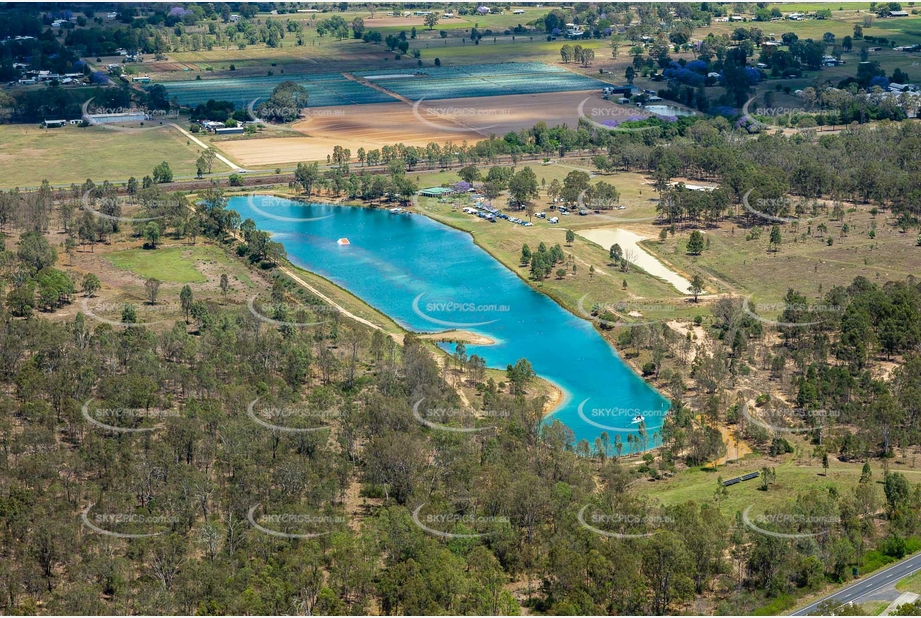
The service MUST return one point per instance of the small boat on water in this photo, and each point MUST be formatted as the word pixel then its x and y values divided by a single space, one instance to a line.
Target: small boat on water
pixel 343 241
pixel 396 211
pixel 639 418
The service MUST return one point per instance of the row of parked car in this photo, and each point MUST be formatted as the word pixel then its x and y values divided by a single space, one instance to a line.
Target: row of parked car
pixel 493 217
pixel 515 220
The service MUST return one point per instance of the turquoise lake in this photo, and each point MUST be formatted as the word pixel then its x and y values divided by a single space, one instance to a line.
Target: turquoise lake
pixel 429 277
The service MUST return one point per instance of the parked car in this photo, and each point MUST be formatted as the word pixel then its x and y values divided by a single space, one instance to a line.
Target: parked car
pixel 541 215
pixel 553 220
pixel 583 212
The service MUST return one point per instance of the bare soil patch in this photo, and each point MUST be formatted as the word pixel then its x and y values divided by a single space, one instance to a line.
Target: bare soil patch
pixel 382 124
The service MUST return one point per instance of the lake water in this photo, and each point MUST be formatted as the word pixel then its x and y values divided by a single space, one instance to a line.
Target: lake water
pixel 430 277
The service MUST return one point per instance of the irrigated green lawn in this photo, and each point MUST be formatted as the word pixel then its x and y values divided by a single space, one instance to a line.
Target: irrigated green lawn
pixel 170 264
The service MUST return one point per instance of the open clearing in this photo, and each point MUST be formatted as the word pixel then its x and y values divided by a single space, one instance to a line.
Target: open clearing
pixel 628 241
pixel 169 264
pixel 63 154
pixel 383 124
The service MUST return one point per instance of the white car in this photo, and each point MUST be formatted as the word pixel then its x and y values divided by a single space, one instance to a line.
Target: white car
pixel 553 220
pixel 540 215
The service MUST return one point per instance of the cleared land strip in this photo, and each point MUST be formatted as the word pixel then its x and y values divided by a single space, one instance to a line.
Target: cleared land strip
pixel 218 155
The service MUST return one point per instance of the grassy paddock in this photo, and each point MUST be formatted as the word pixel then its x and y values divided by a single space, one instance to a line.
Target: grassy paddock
pixel 29 154
pixel 170 264
pixel 912 583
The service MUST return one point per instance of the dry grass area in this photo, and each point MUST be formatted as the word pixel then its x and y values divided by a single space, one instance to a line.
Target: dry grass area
pixel 381 124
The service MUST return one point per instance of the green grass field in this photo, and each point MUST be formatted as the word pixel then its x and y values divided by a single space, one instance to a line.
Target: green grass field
pixel 29 154
pixel 170 264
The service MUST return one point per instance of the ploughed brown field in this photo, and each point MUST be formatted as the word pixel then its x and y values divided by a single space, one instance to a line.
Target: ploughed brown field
pixel 382 124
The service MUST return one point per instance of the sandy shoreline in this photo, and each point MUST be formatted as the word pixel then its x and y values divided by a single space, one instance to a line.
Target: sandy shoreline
pixel 554 398
pixel 458 336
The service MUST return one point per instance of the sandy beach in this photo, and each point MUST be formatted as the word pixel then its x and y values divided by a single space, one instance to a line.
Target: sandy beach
pixel 458 336
pixel 554 398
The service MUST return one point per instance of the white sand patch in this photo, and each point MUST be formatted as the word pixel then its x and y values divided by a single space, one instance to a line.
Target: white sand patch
pixel 628 241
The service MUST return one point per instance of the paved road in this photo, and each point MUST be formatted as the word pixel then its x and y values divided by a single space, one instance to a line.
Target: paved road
pixel 874 583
